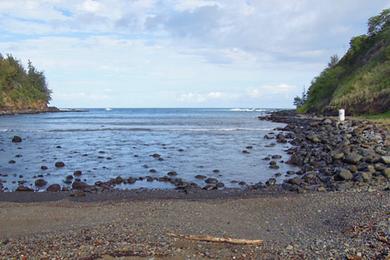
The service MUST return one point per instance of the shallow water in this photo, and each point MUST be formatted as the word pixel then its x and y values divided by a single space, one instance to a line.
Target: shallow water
pixel 105 144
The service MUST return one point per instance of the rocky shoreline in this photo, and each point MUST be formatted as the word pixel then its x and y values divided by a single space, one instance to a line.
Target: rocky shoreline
pixel 332 156
pixel 8 112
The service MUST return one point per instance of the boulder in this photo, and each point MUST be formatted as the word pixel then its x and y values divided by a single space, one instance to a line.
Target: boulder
pixel 131 180
pixel 59 164
pixel 313 138
pixel 172 173
pixel 16 139
pixel 40 182
pixel 200 177
pixel 386 173
pixel 270 182
pixel 54 188
pixel 22 188
pixel 344 175
pixel 211 181
pixel 385 159
pixel 353 158
pixel 79 185
pixel 77 173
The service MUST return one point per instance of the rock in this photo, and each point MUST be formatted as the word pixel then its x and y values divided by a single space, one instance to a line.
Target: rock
pixel 353 158
pixel 386 173
pixel 211 181
pixel 272 163
pixel 11 161
pixel 156 155
pixel 366 176
pixel 313 138
pixel 385 159
pixel 59 164
pixel 345 175
pixel 54 188
pixel 118 180
pixel 379 167
pixel 249 147
pixel 40 182
pixel 268 137
pixel 131 180
pixel 210 187
pixel 258 186
pixel 242 183
pixel 321 189
pixel 44 168
pixel 16 139
pixel 337 155
pixel 245 152
pixel 295 181
pixel 152 171
pixel 327 121
pixel 172 173
pixel 200 177
pixel 280 138
pixel 220 185
pixel 77 173
pixel 79 185
pixel 276 156
pixel 23 188
pixel 270 182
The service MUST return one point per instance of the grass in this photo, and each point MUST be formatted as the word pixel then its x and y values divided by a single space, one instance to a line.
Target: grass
pixel 381 119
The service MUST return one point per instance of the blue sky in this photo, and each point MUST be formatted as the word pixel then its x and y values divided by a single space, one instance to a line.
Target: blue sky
pixel 180 53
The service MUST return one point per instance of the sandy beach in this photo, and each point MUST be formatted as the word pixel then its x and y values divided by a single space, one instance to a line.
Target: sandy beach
pixel 298 226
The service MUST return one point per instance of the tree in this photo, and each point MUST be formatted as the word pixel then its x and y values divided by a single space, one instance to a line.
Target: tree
pixel 299 101
pixel 379 22
pixel 334 59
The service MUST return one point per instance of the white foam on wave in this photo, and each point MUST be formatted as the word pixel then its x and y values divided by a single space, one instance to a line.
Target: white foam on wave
pixel 247 110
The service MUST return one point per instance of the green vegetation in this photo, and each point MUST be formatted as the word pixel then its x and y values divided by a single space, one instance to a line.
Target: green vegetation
pixel 359 81
pixel 22 88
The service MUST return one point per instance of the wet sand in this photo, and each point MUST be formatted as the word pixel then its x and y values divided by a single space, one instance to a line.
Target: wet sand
pixel 120 224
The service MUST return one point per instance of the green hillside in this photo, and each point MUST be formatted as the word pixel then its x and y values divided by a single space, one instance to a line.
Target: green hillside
pixel 360 81
pixel 22 88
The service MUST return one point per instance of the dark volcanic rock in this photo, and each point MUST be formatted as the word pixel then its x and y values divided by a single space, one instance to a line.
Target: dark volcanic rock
pixel 200 177
pixel 344 175
pixel 16 139
pixel 211 181
pixel 131 180
pixel 77 173
pixel 40 182
pixel 44 168
pixel 23 188
pixel 172 173
pixel 59 164
pixel 79 185
pixel 353 158
pixel 54 188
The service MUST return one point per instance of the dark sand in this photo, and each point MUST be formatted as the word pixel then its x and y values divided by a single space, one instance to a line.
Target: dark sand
pixel 124 224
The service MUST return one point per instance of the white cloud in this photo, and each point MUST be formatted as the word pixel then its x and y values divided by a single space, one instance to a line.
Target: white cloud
pixel 279 89
pixel 209 52
pixel 91 6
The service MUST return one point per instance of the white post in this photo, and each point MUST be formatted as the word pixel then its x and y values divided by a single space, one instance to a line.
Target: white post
pixel 342 115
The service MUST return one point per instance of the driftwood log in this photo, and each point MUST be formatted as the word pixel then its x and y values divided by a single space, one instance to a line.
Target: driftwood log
pixel 228 240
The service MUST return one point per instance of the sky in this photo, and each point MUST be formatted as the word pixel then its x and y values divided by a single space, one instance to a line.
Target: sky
pixel 180 53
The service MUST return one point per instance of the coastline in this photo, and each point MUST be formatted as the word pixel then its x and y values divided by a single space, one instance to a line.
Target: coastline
pixel 38 111
pixel 308 216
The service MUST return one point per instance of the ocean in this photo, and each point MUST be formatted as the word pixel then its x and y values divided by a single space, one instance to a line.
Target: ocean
pixel 107 143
